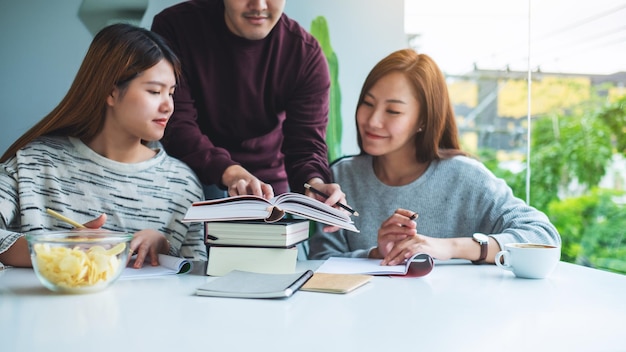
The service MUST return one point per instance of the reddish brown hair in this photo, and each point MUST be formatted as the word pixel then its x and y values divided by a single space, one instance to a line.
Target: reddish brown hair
pixel 439 136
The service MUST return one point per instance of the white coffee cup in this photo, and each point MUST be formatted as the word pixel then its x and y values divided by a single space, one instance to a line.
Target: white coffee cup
pixel 529 260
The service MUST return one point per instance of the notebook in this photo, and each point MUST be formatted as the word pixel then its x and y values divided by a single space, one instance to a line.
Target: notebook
pixel 246 284
pixel 168 265
pixel 420 264
pixel 335 283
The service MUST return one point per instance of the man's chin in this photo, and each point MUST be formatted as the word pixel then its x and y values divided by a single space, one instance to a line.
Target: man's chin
pixel 256 34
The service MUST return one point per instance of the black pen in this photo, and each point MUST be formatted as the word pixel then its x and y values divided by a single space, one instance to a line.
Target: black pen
pixel 320 193
pixel 413 217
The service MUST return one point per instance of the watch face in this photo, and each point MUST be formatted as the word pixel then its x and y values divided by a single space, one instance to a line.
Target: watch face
pixel 480 237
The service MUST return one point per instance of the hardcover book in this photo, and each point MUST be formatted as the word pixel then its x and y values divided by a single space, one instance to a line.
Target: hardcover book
pixel 249 207
pixel 257 233
pixel 223 259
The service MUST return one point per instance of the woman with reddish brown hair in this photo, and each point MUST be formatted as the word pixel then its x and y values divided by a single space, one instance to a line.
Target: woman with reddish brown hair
pixel 412 171
pixel 96 158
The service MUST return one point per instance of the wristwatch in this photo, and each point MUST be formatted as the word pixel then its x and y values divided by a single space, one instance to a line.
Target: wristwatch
pixel 483 241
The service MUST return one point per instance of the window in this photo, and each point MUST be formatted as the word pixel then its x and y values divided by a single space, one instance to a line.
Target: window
pixel 571 58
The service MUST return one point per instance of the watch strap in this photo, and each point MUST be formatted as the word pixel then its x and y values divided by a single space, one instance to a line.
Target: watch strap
pixel 484 247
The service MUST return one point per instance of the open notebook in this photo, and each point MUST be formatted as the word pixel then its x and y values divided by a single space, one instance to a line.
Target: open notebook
pixel 168 265
pixel 418 265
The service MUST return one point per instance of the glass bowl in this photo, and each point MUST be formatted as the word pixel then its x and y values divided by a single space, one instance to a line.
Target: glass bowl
pixel 79 261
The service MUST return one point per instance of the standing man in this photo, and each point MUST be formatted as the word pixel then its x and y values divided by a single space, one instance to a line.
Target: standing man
pixel 252 107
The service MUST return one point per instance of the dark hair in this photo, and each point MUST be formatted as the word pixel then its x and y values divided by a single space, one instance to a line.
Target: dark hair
pixel 439 136
pixel 117 54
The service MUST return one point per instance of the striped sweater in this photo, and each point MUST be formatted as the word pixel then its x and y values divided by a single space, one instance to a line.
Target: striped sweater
pixel 65 175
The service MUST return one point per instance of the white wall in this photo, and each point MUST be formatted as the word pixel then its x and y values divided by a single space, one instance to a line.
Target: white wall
pixel 43 43
pixel 362 32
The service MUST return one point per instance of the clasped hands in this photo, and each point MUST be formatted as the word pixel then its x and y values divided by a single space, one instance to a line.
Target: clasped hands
pixel 398 240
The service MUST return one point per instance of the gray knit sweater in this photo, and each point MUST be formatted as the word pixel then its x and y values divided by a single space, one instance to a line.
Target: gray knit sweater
pixel 454 198
pixel 67 176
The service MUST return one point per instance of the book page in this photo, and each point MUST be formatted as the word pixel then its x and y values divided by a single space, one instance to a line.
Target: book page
pixel 419 265
pixel 251 198
pixel 168 265
pixel 249 207
pixel 302 203
pixel 341 265
pixel 304 206
pixel 224 211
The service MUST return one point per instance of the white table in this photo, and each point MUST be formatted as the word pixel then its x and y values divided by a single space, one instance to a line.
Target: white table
pixel 455 308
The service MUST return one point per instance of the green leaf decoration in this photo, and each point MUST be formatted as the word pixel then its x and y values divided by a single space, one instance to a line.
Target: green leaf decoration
pixel 319 29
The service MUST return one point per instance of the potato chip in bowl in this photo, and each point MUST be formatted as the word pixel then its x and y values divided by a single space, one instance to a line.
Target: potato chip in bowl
pixel 79 261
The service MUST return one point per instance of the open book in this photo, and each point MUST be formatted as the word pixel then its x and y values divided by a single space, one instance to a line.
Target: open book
pixel 418 265
pixel 249 207
pixel 168 265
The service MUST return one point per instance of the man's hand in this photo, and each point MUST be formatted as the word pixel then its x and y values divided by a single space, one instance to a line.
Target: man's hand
pixel 332 190
pixel 334 193
pixel 239 182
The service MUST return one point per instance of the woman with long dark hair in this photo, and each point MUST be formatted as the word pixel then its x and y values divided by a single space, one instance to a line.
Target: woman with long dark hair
pixel 96 158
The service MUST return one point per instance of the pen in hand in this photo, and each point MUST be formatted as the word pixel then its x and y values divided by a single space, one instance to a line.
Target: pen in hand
pixel 320 193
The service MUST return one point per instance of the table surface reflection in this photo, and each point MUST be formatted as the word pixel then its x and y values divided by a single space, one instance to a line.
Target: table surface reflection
pixel 457 307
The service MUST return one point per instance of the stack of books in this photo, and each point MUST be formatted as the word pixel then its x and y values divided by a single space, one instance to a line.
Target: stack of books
pixel 254 245
pixel 250 233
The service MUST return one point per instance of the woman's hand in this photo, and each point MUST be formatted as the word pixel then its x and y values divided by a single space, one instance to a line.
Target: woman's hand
pixel 439 248
pixel 147 244
pixel 397 228
pixel 97 222
pixel 398 240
